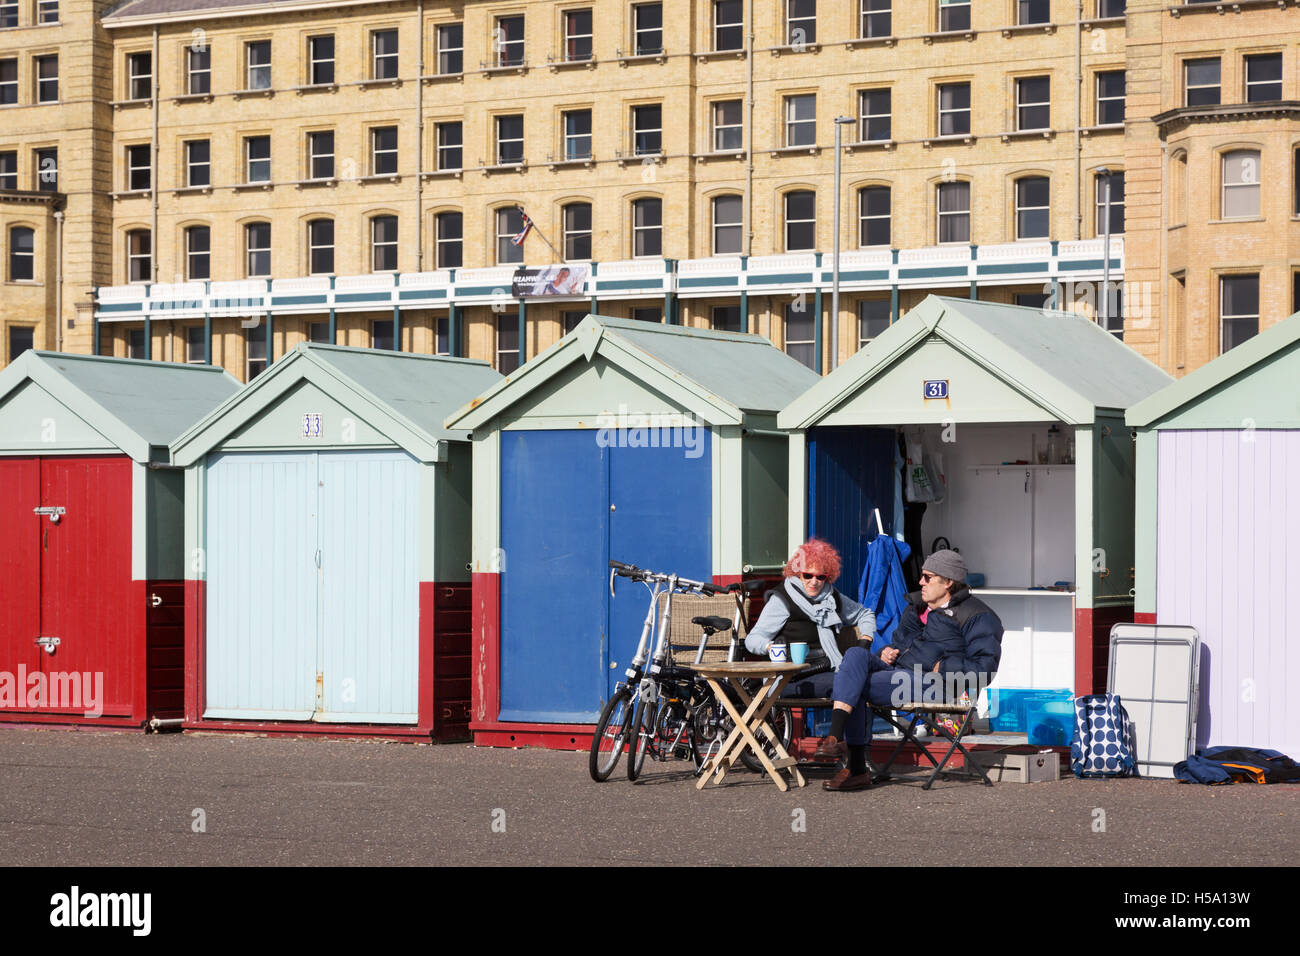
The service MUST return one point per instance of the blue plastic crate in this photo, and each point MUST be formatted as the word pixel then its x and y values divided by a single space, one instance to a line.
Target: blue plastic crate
pixel 1007 706
pixel 1050 722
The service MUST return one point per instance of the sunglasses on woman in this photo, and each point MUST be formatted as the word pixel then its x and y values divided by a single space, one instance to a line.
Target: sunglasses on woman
pixel 813 577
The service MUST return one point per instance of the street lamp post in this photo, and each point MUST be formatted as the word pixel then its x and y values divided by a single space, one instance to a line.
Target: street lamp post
pixel 1105 253
pixel 840 122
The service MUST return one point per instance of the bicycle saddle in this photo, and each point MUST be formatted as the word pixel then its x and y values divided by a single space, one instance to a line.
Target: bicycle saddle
pixel 712 624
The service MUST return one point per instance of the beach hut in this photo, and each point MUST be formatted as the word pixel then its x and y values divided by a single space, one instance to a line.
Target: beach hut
pixel 327 510
pixel 1218 521
pixel 91 535
pixel 1015 419
pixel 655 445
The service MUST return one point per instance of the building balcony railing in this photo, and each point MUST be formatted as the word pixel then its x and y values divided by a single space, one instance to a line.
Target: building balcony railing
pixel 865 270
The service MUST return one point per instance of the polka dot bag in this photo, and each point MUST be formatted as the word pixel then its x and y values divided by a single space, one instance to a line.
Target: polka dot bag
pixel 1103 738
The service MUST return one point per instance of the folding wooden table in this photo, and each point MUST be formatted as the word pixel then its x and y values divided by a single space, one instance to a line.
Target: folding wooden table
pixel 752 721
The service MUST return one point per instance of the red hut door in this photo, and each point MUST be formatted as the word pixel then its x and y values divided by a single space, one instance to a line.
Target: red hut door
pixel 20 571
pixel 85 592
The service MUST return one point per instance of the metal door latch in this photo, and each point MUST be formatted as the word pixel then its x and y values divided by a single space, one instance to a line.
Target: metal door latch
pixel 155 600
pixel 49 643
pixel 55 513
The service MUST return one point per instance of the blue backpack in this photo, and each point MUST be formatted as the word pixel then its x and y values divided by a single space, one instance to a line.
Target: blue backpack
pixel 1103 741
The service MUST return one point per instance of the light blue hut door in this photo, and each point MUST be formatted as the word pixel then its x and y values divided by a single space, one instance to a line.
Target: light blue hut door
pixel 262 587
pixel 370 590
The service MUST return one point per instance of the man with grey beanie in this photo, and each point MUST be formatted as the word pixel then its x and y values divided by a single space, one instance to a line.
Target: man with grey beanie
pixel 944 631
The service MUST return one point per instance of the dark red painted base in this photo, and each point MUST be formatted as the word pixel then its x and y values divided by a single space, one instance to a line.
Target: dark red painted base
pixel 444 680
pixel 151 662
pixel 1144 617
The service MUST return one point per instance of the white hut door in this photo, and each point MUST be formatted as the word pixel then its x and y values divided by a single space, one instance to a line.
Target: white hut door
pixel 370 592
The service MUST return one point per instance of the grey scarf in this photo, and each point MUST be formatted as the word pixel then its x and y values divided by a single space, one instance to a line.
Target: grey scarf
pixel 822 611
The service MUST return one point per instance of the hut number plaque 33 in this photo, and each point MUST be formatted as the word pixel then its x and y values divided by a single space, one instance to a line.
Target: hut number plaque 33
pixel 311 427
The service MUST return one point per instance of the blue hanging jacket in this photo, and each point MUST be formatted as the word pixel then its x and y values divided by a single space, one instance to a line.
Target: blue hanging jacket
pixel 882 588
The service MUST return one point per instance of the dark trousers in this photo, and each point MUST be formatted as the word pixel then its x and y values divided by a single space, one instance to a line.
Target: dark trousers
pixel 862 679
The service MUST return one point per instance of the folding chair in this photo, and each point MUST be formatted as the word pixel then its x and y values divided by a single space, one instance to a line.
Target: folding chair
pixel 930 715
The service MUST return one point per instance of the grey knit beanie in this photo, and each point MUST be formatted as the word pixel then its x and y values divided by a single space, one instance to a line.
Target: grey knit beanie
pixel 946 564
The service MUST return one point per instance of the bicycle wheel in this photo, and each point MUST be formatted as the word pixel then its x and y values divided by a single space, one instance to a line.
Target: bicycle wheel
pixel 643 724
pixel 611 735
pixel 709 729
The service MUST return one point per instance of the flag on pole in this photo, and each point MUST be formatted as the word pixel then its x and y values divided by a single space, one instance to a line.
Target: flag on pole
pixel 522 234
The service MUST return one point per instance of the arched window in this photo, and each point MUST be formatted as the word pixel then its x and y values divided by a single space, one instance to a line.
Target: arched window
pixel 383 244
pixel 1033 207
pixel 873 216
pixel 257 249
pixel 198 253
pixel 647 227
pixel 509 223
pixel 139 255
pixel 577 231
pixel 22 254
pixel 800 220
pixel 954 212
pixel 448 232
pixel 1116 182
pixel 320 247
pixel 1241 184
pixel 728 224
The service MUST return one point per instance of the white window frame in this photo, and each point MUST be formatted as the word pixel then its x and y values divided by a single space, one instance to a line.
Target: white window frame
pixel 738 226
pixel 377 247
pixel 1256 58
pixel 507 253
pixel 192 165
pixel 956 213
pixel 1249 183
pixel 502 141
pixel 16 254
pixel 805 21
pixel 719 25
pixel 445 149
pixel 1020 208
pixel 571 37
pixel 503 48
pixel 955 111
pixel 1217 85
pixel 1100 99
pixel 571 236
pixel 787 222
pixel 250 250
pixel 250 160
pixel 257 76
pixel 640 234
pixel 134 78
pixel 316 155
pixel 869 9
pixel 315 60
pixel 640 114
pixel 42 82
pixel 865 118
pixel 796 127
pixel 133 151
pixel 196 68
pixel 47 11
pixel 862 318
pixel 313 246
pixel 864 218
pixel 10 86
pixel 572 141
pixel 1225 318
pixel 952 7
pixel 38 160
pixel 380 62
pixel 446 51
pixel 377 153
pixel 811 341
pixel 1021 11
pixel 12 174
pixel 723 128
pixel 638 31
pixel 441 242
pixel 507 321
pixel 1099 196
pixel 1023 104
pixel 191 347
pixel 256 365
pixel 192 254
pixel 142 258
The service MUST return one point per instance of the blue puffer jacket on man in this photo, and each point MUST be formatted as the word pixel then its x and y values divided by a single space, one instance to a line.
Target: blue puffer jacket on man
pixel 964 637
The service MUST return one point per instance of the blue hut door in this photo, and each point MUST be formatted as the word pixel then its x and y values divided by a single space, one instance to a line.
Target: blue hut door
pixel 568 504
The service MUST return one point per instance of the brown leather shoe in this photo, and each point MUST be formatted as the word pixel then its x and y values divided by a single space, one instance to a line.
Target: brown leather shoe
pixel 845 780
pixel 830 748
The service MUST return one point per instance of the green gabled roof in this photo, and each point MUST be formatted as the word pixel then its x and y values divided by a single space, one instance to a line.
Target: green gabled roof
pixel 404 396
pixel 136 405
pixel 1063 362
pixel 1273 344
pixel 718 376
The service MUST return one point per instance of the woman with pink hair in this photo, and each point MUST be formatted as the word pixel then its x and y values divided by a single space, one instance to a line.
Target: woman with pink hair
pixel 808 609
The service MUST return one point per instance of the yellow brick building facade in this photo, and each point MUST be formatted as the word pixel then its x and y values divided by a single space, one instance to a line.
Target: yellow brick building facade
pixel 236 172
